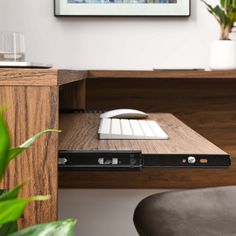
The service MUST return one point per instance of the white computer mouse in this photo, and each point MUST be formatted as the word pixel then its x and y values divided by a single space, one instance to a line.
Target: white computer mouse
pixel 124 113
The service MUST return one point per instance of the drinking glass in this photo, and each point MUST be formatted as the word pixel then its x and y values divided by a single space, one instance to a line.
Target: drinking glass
pixel 12 46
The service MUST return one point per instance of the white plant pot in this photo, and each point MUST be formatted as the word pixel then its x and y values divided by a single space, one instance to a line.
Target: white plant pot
pixel 223 55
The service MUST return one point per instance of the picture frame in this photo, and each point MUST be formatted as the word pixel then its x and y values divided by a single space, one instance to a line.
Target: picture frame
pixel 122 7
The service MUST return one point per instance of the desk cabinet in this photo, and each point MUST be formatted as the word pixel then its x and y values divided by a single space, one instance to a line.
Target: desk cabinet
pixel 206 101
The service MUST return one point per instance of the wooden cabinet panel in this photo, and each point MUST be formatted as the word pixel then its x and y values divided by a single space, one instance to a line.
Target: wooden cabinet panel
pixel 32 109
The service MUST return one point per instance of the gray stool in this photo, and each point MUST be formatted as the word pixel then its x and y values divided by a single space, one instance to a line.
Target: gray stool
pixel 200 212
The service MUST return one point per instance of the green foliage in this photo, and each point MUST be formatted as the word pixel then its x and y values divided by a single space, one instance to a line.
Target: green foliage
pixel 12 194
pixel 59 228
pixel 4 144
pixel 9 228
pixel 225 14
pixel 12 207
pixel 18 150
pixel 11 210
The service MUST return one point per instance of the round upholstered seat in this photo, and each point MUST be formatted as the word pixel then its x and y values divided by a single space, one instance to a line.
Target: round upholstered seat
pixel 200 212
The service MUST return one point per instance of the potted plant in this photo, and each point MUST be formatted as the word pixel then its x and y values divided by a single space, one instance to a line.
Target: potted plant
pixel 11 206
pixel 223 51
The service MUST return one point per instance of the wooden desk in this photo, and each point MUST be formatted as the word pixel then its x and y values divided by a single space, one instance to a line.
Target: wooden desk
pixel 206 101
pixel 33 97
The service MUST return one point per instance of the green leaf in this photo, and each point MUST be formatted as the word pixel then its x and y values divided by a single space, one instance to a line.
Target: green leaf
pixel 222 3
pixel 12 153
pixel 11 210
pixel 212 10
pixel 12 194
pixel 208 5
pixel 8 228
pixel 234 4
pixel 218 12
pixel 4 144
pixel 2 191
pixel 18 150
pixel 58 228
pixel 225 14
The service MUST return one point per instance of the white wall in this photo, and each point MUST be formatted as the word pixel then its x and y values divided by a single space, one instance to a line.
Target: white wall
pixel 102 212
pixel 108 43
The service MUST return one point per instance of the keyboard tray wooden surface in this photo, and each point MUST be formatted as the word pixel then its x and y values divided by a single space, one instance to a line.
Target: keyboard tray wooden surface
pixel 80 132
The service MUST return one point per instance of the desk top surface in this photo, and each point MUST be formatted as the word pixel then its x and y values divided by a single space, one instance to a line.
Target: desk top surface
pixel 54 77
pixel 80 133
pixel 39 77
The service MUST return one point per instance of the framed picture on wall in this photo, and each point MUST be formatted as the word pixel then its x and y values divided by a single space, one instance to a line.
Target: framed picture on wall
pixel 122 7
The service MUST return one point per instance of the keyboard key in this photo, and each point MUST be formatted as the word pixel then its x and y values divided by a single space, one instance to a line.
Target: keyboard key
pixel 125 126
pixel 115 126
pixel 105 126
pixel 146 128
pixel 136 128
pixel 157 129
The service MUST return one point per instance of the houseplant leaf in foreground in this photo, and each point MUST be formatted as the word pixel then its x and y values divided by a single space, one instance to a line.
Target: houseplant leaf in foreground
pixel 59 228
pixel 18 150
pixel 8 228
pixel 11 194
pixel 4 144
pixel 12 226
pixel 11 210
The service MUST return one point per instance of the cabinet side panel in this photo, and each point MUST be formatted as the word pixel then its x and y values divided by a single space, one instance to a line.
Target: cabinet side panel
pixel 72 95
pixel 31 110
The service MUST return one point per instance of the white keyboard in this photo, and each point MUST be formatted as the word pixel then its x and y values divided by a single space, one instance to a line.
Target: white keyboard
pixel 130 129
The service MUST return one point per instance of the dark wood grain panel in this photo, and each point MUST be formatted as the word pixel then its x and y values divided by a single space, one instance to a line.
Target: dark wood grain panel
pixel 69 76
pixel 32 110
pixel 148 178
pixel 163 95
pixel 72 95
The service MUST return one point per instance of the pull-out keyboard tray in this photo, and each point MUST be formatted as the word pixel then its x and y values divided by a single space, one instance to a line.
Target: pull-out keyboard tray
pixel 80 148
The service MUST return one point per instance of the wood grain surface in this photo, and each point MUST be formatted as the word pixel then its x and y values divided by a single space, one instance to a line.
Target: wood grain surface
pixel 69 76
pixel 39 77
pixel 72 95
pixel 158 74
pixel 80 132
pixel 33 97
pixel 205 101
pixel 31 110
pixel 82 138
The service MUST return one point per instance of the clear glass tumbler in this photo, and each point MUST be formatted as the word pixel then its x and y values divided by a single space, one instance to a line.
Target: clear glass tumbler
pixel 12 46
